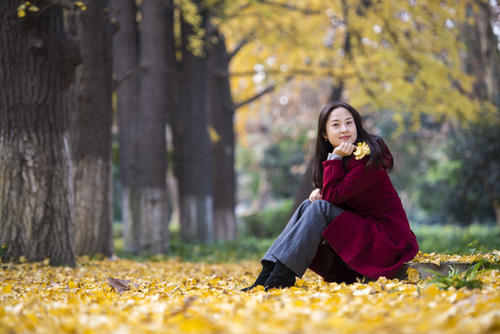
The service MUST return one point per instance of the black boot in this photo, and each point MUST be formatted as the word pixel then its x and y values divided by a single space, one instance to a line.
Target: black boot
pixel 267 268
pixel 281 277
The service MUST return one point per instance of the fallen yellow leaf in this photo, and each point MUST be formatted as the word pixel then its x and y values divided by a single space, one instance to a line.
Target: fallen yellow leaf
pixel 413 275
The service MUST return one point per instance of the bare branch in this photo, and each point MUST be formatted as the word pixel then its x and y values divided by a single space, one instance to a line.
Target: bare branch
pixel 117 82
pixel 285 5
pixel 268 90
pixel 274 72
pixel 253 98
pixel 238 47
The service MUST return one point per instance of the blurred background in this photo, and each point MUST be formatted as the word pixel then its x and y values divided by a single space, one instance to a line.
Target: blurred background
pixel 203 114
pixel 424 75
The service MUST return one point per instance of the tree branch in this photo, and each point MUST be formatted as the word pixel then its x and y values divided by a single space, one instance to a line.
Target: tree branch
pixel 117 82
pixel 238 47
pixel 290 7
pixel 268 90
pixel 253 98
pixel 289 72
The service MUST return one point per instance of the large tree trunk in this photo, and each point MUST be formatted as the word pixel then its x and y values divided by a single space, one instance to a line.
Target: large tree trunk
pixel 482 57
pixel 483 61
pixel 221 120
pixel 489 57
pixel 192 151
pixel 37 62
pixel 153 231
pixel 90 114
pixel 126 73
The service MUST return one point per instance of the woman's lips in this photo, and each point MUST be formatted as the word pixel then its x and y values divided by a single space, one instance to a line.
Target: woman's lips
pixel 345 137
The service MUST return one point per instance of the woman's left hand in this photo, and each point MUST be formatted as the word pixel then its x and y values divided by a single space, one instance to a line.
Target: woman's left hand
pixel 315 194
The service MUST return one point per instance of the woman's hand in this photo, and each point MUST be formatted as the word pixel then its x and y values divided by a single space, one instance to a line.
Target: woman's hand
pixel 315 194
pixel 344 149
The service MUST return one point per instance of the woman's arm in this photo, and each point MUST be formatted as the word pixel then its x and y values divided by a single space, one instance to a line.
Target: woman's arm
pixel 339 186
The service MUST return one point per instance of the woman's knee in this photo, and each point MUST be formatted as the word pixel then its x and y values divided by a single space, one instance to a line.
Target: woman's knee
pixel 306 202
pixel 325 207
pixel 320 204
pixel 303 206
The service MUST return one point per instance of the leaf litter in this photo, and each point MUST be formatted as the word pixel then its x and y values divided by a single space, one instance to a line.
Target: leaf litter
pixel 124 296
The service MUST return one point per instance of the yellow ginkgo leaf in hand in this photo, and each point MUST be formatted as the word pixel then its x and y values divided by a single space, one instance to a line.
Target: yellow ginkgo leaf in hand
pixel 361 150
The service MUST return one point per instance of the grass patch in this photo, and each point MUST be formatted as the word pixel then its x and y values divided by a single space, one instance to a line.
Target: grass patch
pixel 249 248
pixel 453 239
pixel 443 239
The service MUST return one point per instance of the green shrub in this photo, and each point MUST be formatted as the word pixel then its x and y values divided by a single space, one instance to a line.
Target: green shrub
pixel 267 223
pixel 453 239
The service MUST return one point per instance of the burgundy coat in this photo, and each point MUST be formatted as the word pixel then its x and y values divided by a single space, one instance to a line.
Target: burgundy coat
pixel 372 236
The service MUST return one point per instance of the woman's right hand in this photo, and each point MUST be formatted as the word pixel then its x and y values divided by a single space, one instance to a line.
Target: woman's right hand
pixel 344 149
pixel 315 194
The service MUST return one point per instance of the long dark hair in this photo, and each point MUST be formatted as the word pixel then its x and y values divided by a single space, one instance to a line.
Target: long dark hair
pixel 380 156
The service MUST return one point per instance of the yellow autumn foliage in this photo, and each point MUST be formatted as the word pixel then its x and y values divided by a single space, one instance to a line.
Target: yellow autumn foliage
pixel 405 56
pixel 180 297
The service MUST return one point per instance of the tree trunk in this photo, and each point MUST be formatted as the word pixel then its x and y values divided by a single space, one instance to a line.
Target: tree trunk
pixel 488 69
pixel 153 215
pixel 125 67
pixel 482 57
pixel 192 151
pixel 37 62
pixel 489 54
pixel 221 120
pixel 496 207
pixel 90 118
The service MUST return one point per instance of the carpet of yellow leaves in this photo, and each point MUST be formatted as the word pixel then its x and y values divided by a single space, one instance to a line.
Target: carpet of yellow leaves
pixel 179 297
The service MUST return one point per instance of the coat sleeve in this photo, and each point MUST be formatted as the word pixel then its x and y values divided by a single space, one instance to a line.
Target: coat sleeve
pixel 339 185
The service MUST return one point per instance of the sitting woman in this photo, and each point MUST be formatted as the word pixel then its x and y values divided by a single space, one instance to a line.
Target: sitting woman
pixel 353 223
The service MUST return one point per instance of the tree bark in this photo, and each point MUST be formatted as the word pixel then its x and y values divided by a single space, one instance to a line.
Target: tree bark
pixel 153 215
pixel 125 68
pixel 482 60
pixel 221 120
pixel 483 57
pixel 496 207
pixel 36 65
pixel 192 151
pixel 90 111
pixel 489 54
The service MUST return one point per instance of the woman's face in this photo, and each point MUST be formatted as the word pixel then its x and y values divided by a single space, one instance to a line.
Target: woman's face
pixel 340 127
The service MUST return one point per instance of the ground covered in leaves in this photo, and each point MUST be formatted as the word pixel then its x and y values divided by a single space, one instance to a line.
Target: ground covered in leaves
pixel 124 296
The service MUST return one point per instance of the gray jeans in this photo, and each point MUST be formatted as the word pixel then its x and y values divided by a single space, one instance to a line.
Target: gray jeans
pixel 297 245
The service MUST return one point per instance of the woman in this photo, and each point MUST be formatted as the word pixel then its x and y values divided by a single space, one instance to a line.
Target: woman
pixel 353 223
